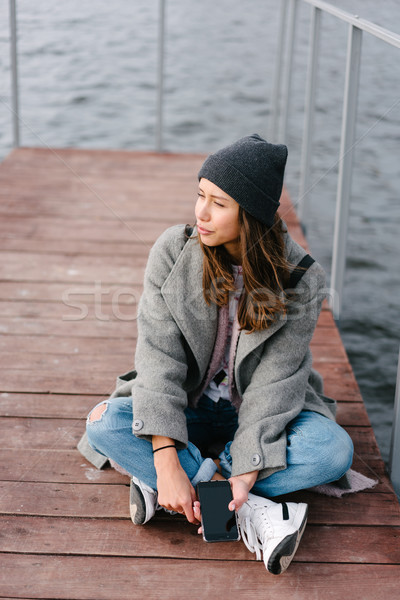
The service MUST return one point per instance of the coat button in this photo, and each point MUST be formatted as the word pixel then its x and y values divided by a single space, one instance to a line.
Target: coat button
pixel 138 424
pixel 256 459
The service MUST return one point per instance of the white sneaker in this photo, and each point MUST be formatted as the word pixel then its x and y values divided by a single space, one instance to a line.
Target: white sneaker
pixel 276 529
pixel 143 502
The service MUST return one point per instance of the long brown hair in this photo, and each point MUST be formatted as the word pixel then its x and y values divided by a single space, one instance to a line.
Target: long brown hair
pixel 264 268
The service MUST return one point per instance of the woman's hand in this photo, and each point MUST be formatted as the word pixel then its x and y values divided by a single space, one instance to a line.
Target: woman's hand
pixel 241 485
pixel 175 492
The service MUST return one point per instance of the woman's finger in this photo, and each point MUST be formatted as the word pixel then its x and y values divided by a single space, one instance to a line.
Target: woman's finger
pixel 196 511
pixel 188 511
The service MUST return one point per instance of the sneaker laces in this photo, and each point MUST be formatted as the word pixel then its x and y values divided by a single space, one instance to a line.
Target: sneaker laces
pixel 253 528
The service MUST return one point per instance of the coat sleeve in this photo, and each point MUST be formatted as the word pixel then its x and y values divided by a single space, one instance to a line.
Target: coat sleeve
pixel 276 391
pixel 159 398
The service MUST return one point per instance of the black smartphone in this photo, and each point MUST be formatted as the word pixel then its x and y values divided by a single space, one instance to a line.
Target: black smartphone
pixel 218 522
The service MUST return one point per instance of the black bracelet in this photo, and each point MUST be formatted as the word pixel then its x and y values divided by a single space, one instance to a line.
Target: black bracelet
pixel 162 447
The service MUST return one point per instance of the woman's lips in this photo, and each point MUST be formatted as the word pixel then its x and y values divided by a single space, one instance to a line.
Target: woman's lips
pixel 202 230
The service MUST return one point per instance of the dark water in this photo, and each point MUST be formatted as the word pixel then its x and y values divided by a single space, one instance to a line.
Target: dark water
pixel 88 76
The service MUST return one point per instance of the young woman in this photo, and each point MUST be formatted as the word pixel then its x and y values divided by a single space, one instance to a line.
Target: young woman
pixel 225 322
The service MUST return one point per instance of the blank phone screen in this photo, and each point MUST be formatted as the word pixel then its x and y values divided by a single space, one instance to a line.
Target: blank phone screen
pixel 219 523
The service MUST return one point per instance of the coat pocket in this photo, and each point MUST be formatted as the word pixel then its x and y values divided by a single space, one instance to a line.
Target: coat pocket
pixel 124 385
pixel 125 377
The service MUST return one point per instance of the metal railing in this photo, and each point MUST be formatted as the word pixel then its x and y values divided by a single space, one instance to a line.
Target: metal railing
pixel 14 73
pixel 278 131
pixel 280 110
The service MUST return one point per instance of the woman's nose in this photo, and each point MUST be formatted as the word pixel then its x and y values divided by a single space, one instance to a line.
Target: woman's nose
pixel 202 210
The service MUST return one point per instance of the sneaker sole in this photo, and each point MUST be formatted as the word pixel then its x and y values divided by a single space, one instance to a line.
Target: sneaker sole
pixel 137 505
pixel 283 554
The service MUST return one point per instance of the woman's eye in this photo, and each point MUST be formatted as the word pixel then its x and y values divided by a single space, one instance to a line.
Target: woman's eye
pixel 218 203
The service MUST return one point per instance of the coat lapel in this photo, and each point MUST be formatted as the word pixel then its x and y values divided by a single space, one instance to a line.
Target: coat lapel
pixel 248 343
pixel 183 294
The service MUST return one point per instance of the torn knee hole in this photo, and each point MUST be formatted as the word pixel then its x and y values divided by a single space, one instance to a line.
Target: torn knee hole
pixel 97 412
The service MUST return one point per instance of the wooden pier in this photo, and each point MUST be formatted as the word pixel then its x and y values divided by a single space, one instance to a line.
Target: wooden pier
pixel 76 227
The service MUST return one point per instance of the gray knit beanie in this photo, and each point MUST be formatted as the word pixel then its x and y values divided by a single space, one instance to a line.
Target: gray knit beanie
pixel 251 171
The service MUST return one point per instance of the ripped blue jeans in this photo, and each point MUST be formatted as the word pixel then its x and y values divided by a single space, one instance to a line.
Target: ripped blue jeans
pixel 318 450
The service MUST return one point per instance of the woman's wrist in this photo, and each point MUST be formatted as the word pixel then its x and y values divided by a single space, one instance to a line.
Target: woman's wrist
pixel 249 478
pixel 164 448
pixel 164 453
pixel 160 441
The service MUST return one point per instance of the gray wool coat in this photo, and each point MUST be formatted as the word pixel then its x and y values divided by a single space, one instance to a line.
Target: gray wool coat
pixel 176 336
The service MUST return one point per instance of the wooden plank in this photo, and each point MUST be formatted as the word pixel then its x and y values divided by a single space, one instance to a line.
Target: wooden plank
pixel 73 406
pixel 176 538
pixel 72 247
pixel 40 267
pixel 68 466
pixel 352 413
pixel 326 335
pixel 24 432
pixel 101 328
pixel 123 306
pixel 342 391
pixel 325 353
pixel 68 326
pixel 61 362
pixel 109 578
pixel 111 501
pixel 83 328
pixel 51 362
pixel 71 344
pixel 45 383
pixel 98 302
pixel 66 406
pixel 364 442
pixel 64 499
pixel 111 162
pixel 65 433
pixel 339 385
pixel 32 291
pixel 363 508
pixel 53 466
pixel 41 433
pixel 133 205
pixel 40 354
pixel 55 228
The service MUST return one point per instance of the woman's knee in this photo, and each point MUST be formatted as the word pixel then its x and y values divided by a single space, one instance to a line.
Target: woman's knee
pixel 107 417
pixel 319 441
pixel 97 412
pixel 336 454
pixel 342 451
pixel 94 423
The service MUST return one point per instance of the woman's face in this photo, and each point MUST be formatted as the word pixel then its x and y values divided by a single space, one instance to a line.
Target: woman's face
pixel 217 218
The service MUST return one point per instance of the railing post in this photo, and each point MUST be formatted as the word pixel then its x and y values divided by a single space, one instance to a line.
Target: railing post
pixel 345 164
pixel 276 88
pixel 309 112
pixel 14 73
pixel 287 80
pixel 394 458
pixel 160 76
